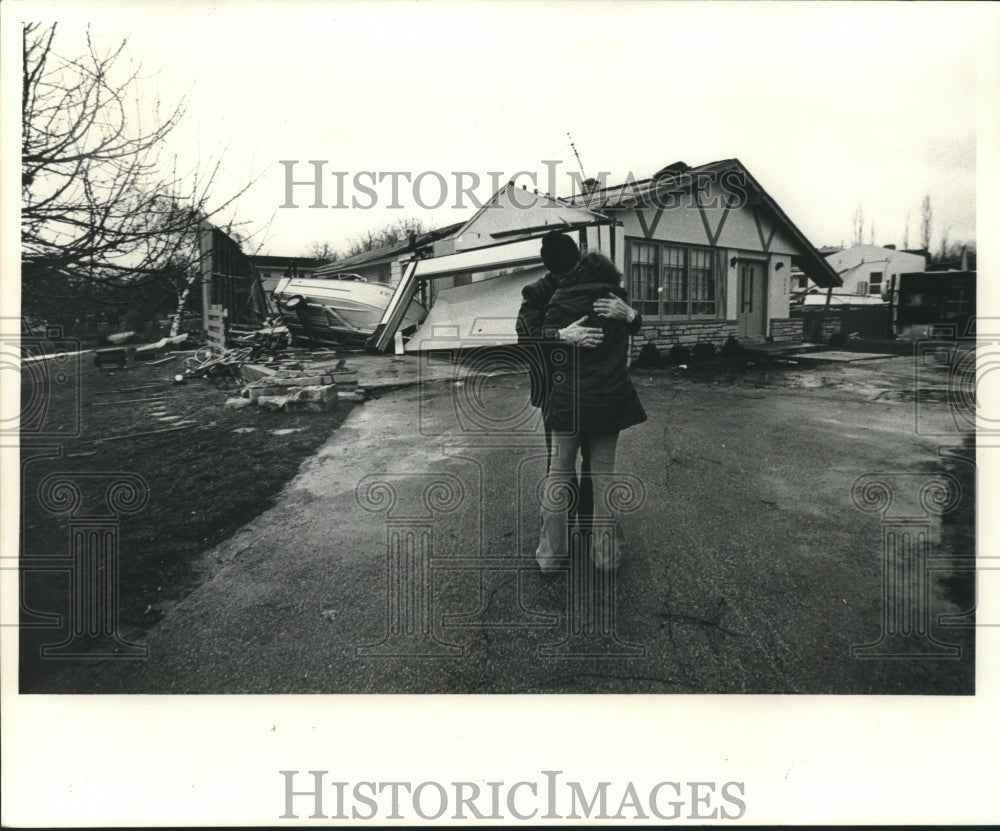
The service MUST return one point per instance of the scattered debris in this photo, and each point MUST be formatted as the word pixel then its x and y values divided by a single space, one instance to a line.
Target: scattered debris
pixel 152 350
pixel 274 403
pixel 256 372
pixel 330 614
pixel 284 431
pixel 127 401
pixel 237 403
pixel 245 430
pixel 131 389
pixel 114 356
pixel 140 435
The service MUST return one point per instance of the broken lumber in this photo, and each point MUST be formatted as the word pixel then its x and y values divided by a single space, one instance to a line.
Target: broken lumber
pixel 128 401
pixel 139 435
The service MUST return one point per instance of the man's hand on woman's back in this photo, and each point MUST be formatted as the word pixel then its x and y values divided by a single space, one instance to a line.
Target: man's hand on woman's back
pixel 581 335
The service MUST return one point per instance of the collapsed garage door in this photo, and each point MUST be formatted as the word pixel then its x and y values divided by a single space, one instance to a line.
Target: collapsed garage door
pixel 482 313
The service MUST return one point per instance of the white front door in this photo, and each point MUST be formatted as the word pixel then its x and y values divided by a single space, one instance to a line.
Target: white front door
pixel 751 300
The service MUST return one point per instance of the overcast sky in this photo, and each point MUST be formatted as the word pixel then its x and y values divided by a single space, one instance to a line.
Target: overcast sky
pixel 828 105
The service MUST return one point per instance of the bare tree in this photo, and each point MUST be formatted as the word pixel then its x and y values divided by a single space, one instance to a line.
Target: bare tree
pixel 104 208
pixel 392 233
pixel 944 243
pixel 322 251
pixel 871 232
pixel 926 215
pixel 906 232
pixel 858 226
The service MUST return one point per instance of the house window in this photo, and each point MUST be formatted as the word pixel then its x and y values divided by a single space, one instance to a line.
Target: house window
pixel 672 280
pixel 875 282
pixel 645 297
pixel 702 281
pixel 674 283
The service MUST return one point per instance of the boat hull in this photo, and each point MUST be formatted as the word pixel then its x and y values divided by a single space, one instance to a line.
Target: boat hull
pixel 336 312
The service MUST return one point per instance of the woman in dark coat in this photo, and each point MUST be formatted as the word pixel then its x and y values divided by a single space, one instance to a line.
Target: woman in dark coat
pixel 590 398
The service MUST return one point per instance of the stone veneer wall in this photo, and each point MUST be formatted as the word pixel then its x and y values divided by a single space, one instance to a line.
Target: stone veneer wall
pixel 687 332
pixel 786 329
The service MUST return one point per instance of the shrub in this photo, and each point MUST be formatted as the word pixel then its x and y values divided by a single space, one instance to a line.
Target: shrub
pixel 649 357
pixel 731 348
pixel 679 354
pixel 704 350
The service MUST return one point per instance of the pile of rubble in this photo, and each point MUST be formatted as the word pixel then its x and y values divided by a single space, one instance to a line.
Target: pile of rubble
pixel 315 389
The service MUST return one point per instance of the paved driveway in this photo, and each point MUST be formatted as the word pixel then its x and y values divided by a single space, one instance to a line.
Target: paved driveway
pixel 401 558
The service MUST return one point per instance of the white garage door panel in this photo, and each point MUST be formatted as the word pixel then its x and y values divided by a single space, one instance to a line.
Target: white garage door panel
pixel 479 314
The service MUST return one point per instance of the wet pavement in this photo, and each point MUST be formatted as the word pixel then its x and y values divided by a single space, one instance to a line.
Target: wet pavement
pixel 760 507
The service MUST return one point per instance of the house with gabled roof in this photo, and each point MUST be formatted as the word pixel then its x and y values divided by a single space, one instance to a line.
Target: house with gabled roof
pixel 873 270
pixel 706 252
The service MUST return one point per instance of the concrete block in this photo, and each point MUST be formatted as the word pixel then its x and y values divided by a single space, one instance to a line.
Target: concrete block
pixel 237 403
pixel 323 394
pixel 254 391
pixel 274 403
pixel 297 381
pixel 256 372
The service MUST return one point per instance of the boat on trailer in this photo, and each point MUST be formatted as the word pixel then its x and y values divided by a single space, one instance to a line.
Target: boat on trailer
pixel 342 309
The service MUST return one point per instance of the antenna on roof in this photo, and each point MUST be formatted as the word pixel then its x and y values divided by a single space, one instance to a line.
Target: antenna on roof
pixel 582 173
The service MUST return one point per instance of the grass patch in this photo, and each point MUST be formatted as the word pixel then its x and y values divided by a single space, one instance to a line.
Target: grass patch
pixel 205 481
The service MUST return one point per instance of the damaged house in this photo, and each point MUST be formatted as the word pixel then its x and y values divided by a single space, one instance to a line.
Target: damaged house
pixel 706 252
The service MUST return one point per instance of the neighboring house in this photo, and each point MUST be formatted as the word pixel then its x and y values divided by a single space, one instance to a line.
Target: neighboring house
pixel 872 270
pixel 707 254
pixel 271 269
pixel 799 282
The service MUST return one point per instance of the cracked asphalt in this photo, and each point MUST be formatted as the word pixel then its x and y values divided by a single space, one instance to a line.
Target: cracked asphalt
pixel 400 560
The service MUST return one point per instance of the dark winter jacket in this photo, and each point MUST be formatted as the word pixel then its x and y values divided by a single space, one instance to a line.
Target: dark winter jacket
pixel 531 335
pixel 589 388
pixel 538 339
